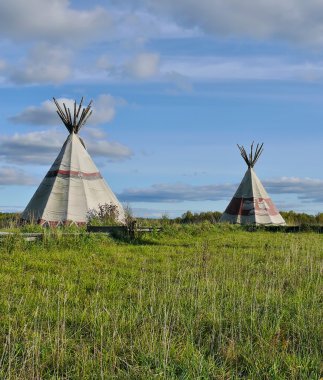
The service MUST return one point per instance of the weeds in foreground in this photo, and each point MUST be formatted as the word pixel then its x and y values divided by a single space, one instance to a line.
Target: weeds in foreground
pixel 188 303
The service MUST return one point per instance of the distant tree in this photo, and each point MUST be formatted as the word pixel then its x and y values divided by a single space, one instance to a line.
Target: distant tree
pixel 208 216
pixel 187 217
pixel 319 218
pixel 295 218
pixel 9 219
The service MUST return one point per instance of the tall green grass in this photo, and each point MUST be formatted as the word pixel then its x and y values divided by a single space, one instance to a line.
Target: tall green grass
pixel 195 302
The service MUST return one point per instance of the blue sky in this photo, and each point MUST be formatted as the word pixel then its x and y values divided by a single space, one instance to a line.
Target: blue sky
pixel 175 87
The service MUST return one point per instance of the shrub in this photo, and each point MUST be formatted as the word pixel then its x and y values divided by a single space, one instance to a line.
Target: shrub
pixel 105 214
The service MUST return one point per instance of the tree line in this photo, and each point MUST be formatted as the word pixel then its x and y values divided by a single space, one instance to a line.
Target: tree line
pixel 291 217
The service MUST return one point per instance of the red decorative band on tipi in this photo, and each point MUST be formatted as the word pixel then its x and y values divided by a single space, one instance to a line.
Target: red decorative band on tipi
pixel 73 186
pixel 73 174
pixel 251 206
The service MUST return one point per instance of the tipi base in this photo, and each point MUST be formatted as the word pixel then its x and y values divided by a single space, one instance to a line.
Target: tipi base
pixel 258 220
pixel 60 223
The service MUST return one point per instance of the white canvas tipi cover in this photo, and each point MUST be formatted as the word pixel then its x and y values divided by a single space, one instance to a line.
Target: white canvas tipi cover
pixel 72 187
pixel 251 203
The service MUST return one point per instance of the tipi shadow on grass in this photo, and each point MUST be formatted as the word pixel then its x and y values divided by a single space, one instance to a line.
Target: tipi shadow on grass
pixel 251 203
pixel 73 185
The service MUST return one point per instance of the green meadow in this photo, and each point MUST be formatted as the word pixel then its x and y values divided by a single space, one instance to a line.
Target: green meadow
pixel 193 302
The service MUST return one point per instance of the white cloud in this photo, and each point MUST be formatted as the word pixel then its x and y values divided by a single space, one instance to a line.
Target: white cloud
pixel 56 67
pixel 292 20
pixel 177 193
pixel 136 25
pixel 41 148
pixel 103 111
pixel 45 114
pixel 12 176
pixel 95 133
pixel 143 66
pixel 306 189
pixel 45 63
pixel 112 150
pixel 51 20
pixel 59 29
pixel 242 68
pixel 183 71
pixel 31 148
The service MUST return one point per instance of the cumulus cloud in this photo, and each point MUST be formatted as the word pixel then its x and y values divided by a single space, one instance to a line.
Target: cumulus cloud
pixel 104 109
pixel 177 193
pixel 183 70
pixel 41 148
pixel 137 25
pixel 241 68
pixel 292 20
pixel 45 114
pixel 307 189
pixel 51 20
pixel 48 35
pixel 13 176
pixel 95 133
pixel 31 148
pixel 143 66
pixel 112 150
pixel 44 64
pixel 63 27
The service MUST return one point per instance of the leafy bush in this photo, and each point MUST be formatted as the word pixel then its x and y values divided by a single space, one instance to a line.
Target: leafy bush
pixel 106 214
pixel 9 220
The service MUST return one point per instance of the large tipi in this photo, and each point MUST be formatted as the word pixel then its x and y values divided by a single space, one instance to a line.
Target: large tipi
pixel 251 203
pixel 73 185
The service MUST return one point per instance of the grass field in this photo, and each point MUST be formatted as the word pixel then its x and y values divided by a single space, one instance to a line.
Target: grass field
pixel 194 302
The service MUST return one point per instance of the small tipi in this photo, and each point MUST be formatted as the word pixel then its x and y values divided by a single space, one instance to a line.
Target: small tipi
pixel 251 203
pixel 73 185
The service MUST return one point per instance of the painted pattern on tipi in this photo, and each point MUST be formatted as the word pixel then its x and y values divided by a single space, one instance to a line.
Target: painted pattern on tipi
pixel 71 188
pixel 251 203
